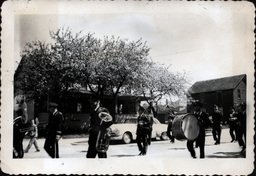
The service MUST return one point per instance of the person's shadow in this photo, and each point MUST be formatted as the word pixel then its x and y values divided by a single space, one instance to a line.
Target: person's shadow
pixel 227 155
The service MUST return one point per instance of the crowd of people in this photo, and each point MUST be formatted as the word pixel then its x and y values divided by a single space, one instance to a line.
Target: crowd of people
pixel 101 120
pixel 54 129
pixel 236 123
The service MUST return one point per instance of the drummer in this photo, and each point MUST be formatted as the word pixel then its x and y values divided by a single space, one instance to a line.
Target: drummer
pixel 204 121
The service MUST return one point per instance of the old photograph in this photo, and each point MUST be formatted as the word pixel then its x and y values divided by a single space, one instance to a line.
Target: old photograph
pixel 127 87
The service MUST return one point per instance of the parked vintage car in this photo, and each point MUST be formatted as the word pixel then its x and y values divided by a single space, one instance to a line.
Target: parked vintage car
pixel 126 131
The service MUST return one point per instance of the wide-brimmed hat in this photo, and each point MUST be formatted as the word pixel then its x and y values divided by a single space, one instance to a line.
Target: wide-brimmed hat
pixel 52 104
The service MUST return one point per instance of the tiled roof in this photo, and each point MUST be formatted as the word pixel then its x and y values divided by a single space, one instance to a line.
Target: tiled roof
pixel 225 83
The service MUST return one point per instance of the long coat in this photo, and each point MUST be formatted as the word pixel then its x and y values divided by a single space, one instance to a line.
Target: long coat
pixel 53 129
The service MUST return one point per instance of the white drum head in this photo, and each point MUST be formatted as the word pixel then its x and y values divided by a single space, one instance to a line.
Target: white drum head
pixel 190 127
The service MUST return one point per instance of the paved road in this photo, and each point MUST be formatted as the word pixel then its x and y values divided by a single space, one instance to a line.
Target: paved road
pixel 76 147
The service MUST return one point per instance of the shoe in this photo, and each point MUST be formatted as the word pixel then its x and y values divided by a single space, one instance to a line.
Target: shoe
pixel 25 151
pixel 243 149
pixel 232 140
pixel 217 143
pixel 194 157
pixel 140 153
pixel 37 150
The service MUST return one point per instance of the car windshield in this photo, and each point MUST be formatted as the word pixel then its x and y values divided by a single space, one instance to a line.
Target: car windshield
pixel 133 121
pixel 156 121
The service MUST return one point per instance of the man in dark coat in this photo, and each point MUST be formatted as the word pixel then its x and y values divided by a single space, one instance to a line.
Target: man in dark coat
pixel 216 126
pixel 169 127
pixel 241 125
pixel 54 130
pixel 232 121
pixel 203 120
pixel 96 125
pixel 144 129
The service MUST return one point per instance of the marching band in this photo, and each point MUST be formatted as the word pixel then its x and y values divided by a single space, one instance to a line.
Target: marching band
pixel 189 127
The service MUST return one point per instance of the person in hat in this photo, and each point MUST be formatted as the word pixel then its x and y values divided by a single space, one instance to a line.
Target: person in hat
pixel 169 127
pixel 97 124
pixel 20 120
pixel 51 145
pixel 203 121
pixel 144 129
pixel 216 126
pixel 232 121
pixel 241 125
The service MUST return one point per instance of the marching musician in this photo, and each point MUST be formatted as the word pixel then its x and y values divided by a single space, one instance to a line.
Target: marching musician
pixel 204 121
pixel 232 120
pixel 96 125
pixel 20 119
pixel 169 127
pixel 216 126
pixel 54 131
pixel 241 126
pixel 144 129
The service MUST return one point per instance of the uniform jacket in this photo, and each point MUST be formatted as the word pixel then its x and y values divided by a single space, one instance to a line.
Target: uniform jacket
pixel 55 123
pixel 145 123
pixel 96 125
pixel 95 121
pixel 203 119
pixel 216 118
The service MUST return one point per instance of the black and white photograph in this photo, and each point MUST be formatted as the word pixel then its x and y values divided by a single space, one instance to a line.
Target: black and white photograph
pixel 127 87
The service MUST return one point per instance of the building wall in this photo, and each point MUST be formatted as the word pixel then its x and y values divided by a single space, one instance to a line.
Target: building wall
pixel 224 99
pixel 227 102
pixel 242 98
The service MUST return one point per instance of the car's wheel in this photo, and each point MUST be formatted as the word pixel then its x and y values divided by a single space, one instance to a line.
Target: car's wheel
pixel 127 138
pixel 164 136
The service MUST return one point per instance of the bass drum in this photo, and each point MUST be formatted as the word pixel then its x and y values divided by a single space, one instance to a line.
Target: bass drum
pixel 185 127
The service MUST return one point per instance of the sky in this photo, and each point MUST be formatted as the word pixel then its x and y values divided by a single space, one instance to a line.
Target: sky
pixel 206 40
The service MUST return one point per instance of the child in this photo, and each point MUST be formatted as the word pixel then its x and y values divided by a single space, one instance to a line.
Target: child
pixel 33 135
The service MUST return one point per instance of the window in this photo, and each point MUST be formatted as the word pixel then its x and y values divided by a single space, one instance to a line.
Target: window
pixel 202 97
pixel 219 96
pixel 238 94
pixel 79 107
